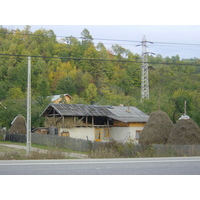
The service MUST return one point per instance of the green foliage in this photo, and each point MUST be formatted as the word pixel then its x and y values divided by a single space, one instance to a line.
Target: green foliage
pixel 66 85
pixel 98 81
pixel 14 107
pixel 91 93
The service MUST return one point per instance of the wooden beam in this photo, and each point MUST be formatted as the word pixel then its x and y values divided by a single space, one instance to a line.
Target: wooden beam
pixel 86 120
pixel 92 120
pixel 63 121
pixel 79 120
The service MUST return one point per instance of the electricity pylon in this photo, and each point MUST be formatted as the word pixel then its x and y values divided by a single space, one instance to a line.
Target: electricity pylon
pixel 144 67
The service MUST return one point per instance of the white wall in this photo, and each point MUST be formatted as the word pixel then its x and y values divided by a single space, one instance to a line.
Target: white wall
pixel 133 133
pixel 120 134
pixel 82 132
pixel 124 134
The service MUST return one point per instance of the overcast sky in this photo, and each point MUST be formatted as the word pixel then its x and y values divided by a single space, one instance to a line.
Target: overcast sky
pixel 183 34
pixel 170 21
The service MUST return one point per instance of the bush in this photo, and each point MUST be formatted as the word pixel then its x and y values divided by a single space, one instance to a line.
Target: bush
pixel 14 155
pixel 103 152
pixel 113 149
pixel 46 155
pixel 1 137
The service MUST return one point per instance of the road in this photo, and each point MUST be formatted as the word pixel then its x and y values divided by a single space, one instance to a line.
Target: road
pixel 122 166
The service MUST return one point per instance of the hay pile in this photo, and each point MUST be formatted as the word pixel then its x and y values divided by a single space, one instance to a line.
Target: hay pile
pixel 157 129
pixel 18 125
pixel 185 132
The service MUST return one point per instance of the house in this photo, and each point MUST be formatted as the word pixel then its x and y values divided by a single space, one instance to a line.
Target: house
pixel 61 98
pixel 95 122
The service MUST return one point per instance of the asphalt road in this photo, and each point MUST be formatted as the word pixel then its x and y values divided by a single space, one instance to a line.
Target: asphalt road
pixel 130 166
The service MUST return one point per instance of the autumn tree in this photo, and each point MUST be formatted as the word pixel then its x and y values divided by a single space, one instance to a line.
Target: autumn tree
pixel 91 93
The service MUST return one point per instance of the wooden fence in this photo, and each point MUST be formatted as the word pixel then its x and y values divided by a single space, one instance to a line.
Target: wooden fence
pixel 156 150
pixel 56 141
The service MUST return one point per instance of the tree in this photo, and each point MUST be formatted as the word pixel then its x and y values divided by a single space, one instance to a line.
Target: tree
pixel 3 90
pixel 86 37
pixel 14 107
pixel 58 71
pixel 179 97
pixel 15 93
pixel 66 85
pixel 120 51
pixel 82 81
pixel 91 93
pixel 91 66
pixel 43 88
pixel 86 41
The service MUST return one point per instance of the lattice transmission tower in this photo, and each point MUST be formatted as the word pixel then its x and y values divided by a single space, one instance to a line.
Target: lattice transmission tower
pixel 144 67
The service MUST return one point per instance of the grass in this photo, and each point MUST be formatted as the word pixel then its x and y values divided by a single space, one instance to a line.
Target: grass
pixel 51 148
pixel 132 150
pixel 8 153
pixel 8 149
pixel 17 155
pixel 112 149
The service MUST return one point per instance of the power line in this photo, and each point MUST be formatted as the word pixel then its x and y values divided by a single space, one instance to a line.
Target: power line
pixel 96 59
pixel 105 39
pixel 176 43
pixel 69 58
pixel 32 34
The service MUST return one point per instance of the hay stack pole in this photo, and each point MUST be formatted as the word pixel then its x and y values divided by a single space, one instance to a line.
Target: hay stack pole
pixel 185 108
pixel 184 116
pixel 185 132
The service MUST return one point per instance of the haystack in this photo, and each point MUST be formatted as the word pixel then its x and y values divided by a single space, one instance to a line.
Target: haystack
pixel 157 129
pixel 18 125
pixel 186 131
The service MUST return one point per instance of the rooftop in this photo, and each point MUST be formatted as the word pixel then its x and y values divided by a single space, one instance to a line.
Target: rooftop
pixel 120 113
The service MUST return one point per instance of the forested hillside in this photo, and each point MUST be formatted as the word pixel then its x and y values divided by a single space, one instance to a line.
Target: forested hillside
pixel 91 74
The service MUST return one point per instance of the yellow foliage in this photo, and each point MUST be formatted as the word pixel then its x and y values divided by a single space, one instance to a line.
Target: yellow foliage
pixel 59 72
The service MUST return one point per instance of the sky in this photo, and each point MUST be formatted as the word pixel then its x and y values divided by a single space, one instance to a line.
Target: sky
pixel 160 21
pixel 185 37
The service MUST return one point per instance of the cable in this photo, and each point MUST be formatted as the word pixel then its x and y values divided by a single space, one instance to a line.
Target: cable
pixel 69 58
pixel 31 34
pixel 116 40
pixel 98 60
pixel 175 43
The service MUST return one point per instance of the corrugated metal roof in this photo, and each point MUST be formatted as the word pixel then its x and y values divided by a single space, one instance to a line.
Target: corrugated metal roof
pixel 77 110
pixel 128 114
pixel 124 114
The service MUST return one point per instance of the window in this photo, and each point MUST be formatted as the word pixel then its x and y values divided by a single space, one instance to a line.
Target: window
pixel 98 135
pixel 137 134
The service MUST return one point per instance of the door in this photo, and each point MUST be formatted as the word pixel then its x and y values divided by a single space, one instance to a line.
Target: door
pixel 98 135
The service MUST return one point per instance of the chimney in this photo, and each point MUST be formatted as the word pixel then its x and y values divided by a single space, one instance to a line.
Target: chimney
pixel 128 109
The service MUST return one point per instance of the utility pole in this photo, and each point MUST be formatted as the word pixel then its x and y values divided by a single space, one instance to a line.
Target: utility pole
pixel 144 67
pixel 28 120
